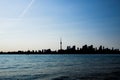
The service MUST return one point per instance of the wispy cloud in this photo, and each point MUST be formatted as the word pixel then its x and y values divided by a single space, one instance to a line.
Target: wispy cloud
pixel 26 9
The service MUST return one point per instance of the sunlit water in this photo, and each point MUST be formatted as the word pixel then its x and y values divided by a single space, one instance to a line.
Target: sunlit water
pixel 56 67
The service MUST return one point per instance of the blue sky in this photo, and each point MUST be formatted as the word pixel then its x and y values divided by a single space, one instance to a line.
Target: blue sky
pixel 39 24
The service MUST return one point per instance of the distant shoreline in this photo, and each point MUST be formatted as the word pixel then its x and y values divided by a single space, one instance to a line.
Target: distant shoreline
pixel 69 50
pixel 55 53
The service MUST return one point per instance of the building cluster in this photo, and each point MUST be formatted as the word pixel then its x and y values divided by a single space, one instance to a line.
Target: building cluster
pixel 89 50
pixel 70 50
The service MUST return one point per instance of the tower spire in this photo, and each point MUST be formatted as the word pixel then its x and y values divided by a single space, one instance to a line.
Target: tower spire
pixel 60 43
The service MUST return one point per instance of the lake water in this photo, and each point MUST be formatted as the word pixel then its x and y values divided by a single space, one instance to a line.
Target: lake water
pixel 59 67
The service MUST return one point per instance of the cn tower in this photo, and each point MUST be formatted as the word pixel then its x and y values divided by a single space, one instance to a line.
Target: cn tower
pixel 60 43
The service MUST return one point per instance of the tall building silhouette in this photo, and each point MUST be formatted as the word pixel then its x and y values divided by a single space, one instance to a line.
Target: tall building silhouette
pixel 60 43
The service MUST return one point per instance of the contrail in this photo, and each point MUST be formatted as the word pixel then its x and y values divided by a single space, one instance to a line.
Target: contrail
pixel 26 9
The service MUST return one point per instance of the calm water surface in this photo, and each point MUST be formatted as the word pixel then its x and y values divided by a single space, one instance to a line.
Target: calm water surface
pixel 56 67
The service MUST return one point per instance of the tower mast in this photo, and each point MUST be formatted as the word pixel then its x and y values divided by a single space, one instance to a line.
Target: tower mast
pixel 60 43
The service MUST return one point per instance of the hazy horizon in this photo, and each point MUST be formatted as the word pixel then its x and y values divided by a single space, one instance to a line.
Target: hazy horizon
pixel 39 24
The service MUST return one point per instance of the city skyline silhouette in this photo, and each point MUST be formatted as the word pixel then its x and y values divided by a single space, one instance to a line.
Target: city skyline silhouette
pixel 69 50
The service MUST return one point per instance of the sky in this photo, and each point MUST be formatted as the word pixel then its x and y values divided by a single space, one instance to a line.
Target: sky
pixel 39 24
